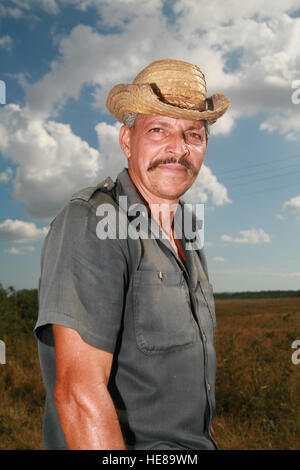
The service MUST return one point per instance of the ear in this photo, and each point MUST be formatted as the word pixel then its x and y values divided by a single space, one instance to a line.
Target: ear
pixel 124 140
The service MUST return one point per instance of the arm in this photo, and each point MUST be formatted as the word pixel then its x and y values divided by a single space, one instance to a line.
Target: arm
pixel 85 408
pixel 213 434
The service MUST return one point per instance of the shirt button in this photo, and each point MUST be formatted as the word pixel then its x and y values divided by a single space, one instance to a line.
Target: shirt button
pixel 160 275
pixel 204 338
pixel 208 387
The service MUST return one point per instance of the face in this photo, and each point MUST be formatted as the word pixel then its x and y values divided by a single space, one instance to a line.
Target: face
pixel 164 155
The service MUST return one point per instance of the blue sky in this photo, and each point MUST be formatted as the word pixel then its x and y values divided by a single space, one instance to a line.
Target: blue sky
pixel 60 58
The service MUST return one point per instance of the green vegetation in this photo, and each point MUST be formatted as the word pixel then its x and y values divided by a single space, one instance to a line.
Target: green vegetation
pixel 257 389
pixel 264 294
pixel 18 310
pixel 258 386
pixel 22 392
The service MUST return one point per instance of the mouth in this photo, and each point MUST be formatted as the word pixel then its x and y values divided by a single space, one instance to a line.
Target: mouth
pixel 172 165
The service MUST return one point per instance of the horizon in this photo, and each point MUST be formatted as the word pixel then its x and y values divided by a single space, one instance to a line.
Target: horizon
pixel 215 292
pixel 60 58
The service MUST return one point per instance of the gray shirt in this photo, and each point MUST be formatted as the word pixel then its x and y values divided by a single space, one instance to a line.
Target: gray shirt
pixel 136 299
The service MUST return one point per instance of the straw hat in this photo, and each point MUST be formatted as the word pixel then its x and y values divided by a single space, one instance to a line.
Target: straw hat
pixel 171 88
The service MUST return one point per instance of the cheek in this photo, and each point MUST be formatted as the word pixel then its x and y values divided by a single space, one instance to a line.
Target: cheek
pixel 197 157
pixel 139 164
pixel 147 153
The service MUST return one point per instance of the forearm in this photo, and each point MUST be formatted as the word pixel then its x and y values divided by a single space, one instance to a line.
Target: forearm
pixel 89 421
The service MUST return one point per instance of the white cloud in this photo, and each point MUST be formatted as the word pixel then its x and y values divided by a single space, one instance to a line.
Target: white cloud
pixel 20 231
pixel 6 42
pixel 6 175
pixel 23 8
pixel 226 124
pixel 113 159
pixel 119 12
pixel 244 36
pixel 24 250
pixel 253 236
pixel 207 185
pixel 103 60
pixel 294 275
pixel 241 53
pixel 88 57
pixel 218 259
pixel 10 12
pixel 50 6
pixel 293 204
pixel 250 237
pixel 52 162
pixel 287 124
pixel 226 238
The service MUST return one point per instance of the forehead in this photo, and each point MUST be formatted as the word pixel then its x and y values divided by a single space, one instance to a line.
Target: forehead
pixel 145 120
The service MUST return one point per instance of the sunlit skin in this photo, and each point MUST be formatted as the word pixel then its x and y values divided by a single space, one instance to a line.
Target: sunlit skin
pixel 155 148
pixel 164 158
pixel 87 414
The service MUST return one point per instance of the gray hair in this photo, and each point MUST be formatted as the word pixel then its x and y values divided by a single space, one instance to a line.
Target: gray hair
pixel 129 120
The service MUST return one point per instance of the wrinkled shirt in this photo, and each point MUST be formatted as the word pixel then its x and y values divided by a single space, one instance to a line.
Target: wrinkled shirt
pixel 134 298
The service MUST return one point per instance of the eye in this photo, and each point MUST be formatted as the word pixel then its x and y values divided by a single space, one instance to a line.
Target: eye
pixel 156 132
pixel 155 129
pixel 194 137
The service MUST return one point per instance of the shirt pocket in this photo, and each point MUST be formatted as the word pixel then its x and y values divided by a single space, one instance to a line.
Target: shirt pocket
pixel 162 315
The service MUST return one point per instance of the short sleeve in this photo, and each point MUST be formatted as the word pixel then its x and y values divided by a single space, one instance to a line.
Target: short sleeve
pixel 83 279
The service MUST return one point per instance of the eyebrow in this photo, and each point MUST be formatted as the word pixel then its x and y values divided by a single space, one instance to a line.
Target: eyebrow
pixel 159 123
pixel 194 128
pixel 166 124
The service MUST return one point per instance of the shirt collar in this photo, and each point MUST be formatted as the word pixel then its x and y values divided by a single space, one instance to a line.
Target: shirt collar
pixel 126 187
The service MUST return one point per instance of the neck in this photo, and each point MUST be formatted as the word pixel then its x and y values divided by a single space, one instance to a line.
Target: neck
pixel 162 210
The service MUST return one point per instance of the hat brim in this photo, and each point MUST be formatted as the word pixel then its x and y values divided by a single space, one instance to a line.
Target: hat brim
pixel 141 99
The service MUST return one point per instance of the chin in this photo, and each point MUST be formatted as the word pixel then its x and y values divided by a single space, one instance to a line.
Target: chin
pixel 175 192
pixel 172 195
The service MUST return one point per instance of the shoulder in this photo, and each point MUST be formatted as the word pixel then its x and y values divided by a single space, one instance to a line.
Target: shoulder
pixel 79 213
pixel 84 202
pixel 76 225
pixel 91 193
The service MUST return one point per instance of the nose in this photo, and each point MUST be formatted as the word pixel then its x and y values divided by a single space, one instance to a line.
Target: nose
pixel 176 145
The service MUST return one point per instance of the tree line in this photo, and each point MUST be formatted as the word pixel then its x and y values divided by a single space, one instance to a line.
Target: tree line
pixel 19 308
pixel 266 294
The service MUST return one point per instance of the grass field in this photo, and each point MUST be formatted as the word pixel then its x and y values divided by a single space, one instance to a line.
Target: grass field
pixel 257 390
pixel 258 386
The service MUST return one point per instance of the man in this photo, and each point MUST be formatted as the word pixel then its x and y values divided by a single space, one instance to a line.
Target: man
pixel 126 324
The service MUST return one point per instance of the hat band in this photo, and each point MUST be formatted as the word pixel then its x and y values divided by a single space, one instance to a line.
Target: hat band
pixel 180 99
pixel 183 102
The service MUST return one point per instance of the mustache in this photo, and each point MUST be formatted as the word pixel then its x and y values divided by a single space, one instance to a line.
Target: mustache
pixel 164 161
